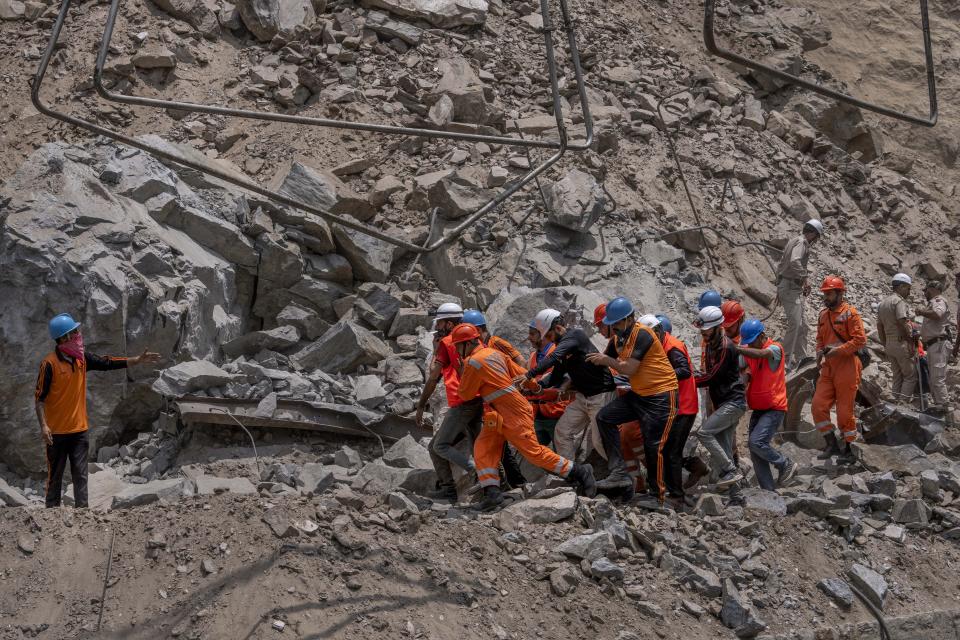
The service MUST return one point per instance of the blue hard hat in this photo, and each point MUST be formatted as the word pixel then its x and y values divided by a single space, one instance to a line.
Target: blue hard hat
pixel 749 331
pixel 474 317
pixel 709 298
pixel 617 310
pixel 665 323
pixel 61 325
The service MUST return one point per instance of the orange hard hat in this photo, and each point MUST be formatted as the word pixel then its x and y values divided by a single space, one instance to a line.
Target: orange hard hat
pixel 732 313
pixel 833 283
pixel 464 333
pixel 599 313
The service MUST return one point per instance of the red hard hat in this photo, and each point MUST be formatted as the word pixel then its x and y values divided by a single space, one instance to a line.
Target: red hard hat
pixel 464 333
pixel 599 313
pixel 732 313
pixel 833 283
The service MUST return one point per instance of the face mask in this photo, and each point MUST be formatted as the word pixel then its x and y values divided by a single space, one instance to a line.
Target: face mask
pixel 73 347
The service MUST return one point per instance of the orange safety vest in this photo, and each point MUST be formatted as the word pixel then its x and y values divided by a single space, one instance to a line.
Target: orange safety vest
pixel 549 410
pixel 768 388
pixel 689 403
pixel 65 405
pixel 655 375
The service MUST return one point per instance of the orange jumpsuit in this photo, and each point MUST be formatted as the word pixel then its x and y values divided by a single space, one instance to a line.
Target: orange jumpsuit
pixel 839 374
pixel 508 417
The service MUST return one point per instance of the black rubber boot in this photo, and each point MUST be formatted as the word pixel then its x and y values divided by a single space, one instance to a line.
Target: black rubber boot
pixel 847 456
pixel 492 499
pixel 698 469
pixel 618 476
pixel 581 477
pixel 832 448
pixel 445 492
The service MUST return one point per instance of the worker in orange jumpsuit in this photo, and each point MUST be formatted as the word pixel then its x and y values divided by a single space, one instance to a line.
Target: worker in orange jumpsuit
pixel 839 336
pixel 489 375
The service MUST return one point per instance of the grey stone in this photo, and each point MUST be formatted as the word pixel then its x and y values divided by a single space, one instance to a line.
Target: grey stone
pixel 324 190
pixel 401 503
pixel 702 581
pixel 870 583
pixel 604 568
pixel 314 478
pixel 441 113
pixel 895 533
pixel 347 457
pixel 649 609
pixel 930 485
pixel 382 189
pixel 10 496
pixel 693 608
pixel 381 307
pixel 185 377
pixel 154 57
pixel 575 201
pixel 383 24
pixel 200 14
pixel 331 266
pixel 108 453
pixel 211 485
pixel 461 84
pixel 555 509
pixel 563 580
pixel 377 477
pixel 277 339
pixel 208 567
pixel 306 321
pixel 905 459
pixel 710 505
pixel 457 197
pixel 407 453
pixel 440 13
pixel 883 483
pixel 910 512
pixel 369 391
pixel 589 546
pixel 137 495
pixel 214 233
pixel 738 613
pixel 12 10
pixel 369 257
pixel 26 544
pixel 280 522
pixel 343 348
pixel 407 321
pixel 838 590
pixel 268 18
pixel 402 372
pixel 764 502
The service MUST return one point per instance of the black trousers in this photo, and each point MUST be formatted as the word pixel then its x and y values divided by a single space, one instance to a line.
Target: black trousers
pixel 674 452
pixel 73 447
pixel 656 415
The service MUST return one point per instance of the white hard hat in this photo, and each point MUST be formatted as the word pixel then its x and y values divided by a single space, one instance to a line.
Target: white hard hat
pixel 902 278
pixel 446 311
pixel 544 320
pixel 816 224
pixel 649 320
pixel 710 317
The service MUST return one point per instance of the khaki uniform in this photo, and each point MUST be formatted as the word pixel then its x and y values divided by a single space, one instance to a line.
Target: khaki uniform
pixel 899 348
pixel 790 275
pixel 933 332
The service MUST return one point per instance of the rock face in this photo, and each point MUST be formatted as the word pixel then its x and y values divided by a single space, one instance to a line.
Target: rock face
pixel 71 243
pixel 267 18
pixel 440 13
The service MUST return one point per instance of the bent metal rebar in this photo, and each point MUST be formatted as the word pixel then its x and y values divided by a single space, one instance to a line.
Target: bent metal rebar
pixel 561 145
pixel 710 42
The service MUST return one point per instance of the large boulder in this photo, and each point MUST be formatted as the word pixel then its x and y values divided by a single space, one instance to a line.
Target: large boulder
pixel 369 257
pixel 440 13
pixel 185 377
pixel 72 243
pixel 463 86
pixel 277 339
pixel 324 190
pixel 267 18
pixel 575 201
pixel 343 348
pixel 200 14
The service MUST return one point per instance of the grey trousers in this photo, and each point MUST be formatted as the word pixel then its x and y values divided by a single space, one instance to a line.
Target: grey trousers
pixel 580 415
pixel 795 339
pixel 937 357
pixel 463 421
pixel 717 433
pixel 904 365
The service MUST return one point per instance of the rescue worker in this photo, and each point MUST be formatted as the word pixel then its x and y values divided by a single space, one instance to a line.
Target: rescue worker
pixel 634 351
pixel 733 315
pixel 721 376
pixel 839 337
pixel 687 403
pixel 766 380
pixel 696 467
pixel 793 286
pixel 894 331
pixel 462 419
pixel 572 372
pixel 489 375
pixel 511 466
pixel 61 405
pixel 548 406
pixel 936 340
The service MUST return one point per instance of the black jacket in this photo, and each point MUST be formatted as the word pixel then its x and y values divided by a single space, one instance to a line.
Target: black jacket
pixel 722 376
pixel 569 359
